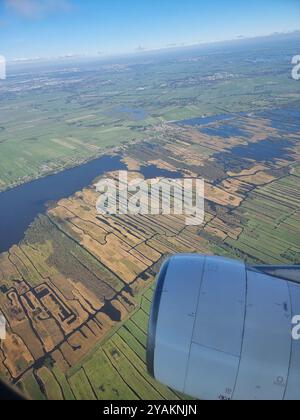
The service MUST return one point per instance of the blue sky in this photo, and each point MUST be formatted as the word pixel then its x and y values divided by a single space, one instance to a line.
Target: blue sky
pixel 50 28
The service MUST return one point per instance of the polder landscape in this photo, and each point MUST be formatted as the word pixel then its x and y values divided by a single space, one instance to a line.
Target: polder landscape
pixel 75 286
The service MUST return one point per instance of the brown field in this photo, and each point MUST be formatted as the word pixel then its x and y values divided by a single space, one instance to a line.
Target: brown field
pixel 78 276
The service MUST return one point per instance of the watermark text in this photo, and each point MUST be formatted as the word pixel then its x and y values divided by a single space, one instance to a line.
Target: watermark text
pixel 296 68
pixel 137 196
pixel 2 67
pixel 296 327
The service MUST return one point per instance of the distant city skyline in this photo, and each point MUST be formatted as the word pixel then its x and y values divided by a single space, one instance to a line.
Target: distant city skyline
pixel 32 29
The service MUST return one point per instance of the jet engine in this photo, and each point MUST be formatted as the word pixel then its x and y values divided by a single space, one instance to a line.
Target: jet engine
pixel 222 330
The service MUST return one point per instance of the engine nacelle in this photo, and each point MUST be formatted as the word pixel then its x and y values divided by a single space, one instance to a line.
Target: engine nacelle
pixel 222 330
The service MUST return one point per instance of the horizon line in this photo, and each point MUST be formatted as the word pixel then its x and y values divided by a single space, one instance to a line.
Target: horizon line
pixel 140 51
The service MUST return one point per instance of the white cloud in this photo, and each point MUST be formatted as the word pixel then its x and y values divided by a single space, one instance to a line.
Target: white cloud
pixel 37 8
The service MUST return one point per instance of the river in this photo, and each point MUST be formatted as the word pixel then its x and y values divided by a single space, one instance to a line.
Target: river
pixel 21 205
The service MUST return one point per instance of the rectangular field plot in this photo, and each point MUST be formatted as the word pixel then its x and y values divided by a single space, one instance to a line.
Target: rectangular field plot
pixel 81 386
pixel 272 232
pixel 117 370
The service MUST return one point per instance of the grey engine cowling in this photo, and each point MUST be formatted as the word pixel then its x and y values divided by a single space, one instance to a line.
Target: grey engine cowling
pixel 221 330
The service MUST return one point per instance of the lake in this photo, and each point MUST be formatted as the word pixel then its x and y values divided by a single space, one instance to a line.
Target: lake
pixel 21 205
pixel 200 121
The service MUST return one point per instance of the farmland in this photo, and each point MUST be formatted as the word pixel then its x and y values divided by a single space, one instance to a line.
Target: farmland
pixel 76 291
pixel 271 234
pixel 60 115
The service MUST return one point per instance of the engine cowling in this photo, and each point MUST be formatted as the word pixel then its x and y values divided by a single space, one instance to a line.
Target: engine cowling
pixel 221 330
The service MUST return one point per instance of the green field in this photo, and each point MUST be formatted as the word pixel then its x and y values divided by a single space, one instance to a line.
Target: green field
pixel 65 119
pixel 115 370
pixel 272 232
pixel 44 129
